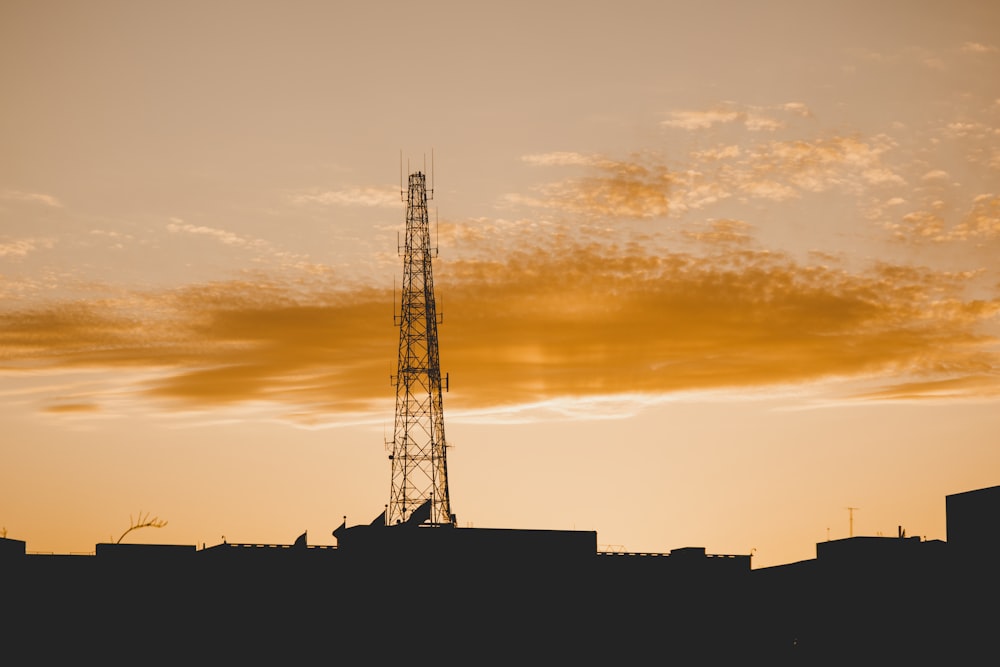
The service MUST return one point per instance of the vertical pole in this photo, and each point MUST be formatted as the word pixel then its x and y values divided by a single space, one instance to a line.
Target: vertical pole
pixel 850 514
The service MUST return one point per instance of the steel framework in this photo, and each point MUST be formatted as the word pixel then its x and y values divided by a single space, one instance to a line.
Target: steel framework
pixel 419 466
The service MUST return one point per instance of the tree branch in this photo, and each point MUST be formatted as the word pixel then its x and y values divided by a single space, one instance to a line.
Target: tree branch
pixel 143 522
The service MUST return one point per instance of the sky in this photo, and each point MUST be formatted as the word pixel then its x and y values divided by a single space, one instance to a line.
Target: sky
pixel 711 273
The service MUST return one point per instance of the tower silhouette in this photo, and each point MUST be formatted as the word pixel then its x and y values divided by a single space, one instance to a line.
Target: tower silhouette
pixel 419 467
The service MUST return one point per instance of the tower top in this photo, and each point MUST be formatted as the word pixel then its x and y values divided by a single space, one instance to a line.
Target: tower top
pixel 404 192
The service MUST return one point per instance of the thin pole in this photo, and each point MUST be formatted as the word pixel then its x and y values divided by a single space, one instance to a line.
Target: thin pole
pixel 850 514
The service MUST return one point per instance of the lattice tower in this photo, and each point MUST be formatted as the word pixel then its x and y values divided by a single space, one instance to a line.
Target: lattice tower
pixel 419 464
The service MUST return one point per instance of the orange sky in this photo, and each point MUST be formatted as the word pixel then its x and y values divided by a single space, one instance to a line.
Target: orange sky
pixel 711 273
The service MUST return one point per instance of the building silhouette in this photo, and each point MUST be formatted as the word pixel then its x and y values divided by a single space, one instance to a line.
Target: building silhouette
pixel 527 595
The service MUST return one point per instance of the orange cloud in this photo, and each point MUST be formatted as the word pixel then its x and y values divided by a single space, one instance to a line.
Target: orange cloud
pixel 583 323
pixel 981 223
pixel 23 247
pixel 32 197
pixel 819 165
pixel 573 320
pixel 982 220
pixel 354 196
pixel 621 189
pixel 984 386
pixel 722 232
pixel 219 344
pixel 63 408
pixel 753 118
pixel 643 187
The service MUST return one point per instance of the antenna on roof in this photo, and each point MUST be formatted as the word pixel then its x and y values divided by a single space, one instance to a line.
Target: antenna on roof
pixel 850 513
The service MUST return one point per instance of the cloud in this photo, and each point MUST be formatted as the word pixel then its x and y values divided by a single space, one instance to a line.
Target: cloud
pixel 643 187
pixel 763 189
pixel 228 238
pixel 756 123
pixel 798 108
pixel 966 129
pixel 984 386
pixel 562 159
pixel 753 118
pixel 722 232
pixel 578 321
pixel 935 175
pixel 700 120
pixel 981 222
pixel 32 197
pixel 265 251
pixel 906 56
pixel 920 225
pixel 782 169
pixel 23 247
pixel 357 196
pixel 73 408
pixel 214 345
pixel 976 47
pixel 718 153
pixel 570 320
pixel 634 189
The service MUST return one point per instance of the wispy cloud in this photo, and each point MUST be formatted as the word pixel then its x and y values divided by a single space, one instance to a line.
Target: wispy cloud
pixel 984 386
pixel 753 118
pixel 618 188
pixel 356 196
pixel 23 247
pixel 264 252
pixel 177 226
pixel 563 158
pixel 644 187
pixel 700 120
pixel 798 108
pixel 72 408
pixel 822 164
pixel 722 232
pixel 976 47
pixel 922 57
pixel 32 197
pixel 938 175
pixel 980 222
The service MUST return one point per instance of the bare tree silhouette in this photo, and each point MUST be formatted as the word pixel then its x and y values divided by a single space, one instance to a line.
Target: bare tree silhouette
pixel 143 521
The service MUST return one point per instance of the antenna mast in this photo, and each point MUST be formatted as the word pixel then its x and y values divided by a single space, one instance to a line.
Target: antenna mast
pixel 850 514
pixel 419 466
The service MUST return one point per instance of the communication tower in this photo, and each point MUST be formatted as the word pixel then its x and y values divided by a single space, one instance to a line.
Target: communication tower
pixel 419 467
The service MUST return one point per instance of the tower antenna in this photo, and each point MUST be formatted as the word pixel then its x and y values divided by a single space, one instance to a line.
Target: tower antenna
pixel 419 466
pixel 850 514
